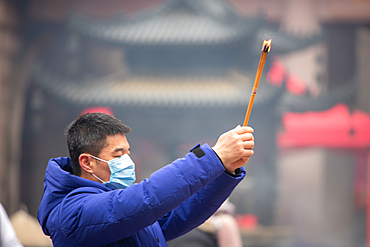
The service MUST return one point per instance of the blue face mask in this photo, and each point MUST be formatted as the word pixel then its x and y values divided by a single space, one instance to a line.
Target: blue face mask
pixel 122 172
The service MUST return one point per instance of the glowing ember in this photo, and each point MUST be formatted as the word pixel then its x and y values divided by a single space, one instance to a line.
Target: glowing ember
pixel 266 47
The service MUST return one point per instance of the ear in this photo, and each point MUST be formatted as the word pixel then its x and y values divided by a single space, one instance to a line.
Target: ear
pixel 85 162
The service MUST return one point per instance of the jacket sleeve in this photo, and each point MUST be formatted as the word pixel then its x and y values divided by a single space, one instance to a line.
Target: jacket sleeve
pixel 90 216
pixel 199 207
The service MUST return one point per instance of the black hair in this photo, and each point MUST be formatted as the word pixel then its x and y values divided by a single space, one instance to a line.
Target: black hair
pixel 88 134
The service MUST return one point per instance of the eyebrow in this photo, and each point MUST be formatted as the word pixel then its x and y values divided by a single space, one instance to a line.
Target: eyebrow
pixel 120 149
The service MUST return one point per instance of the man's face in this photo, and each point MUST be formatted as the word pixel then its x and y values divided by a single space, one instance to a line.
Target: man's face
pixel 117 146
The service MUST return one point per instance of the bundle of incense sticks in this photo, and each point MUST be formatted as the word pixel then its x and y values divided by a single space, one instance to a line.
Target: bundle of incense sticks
pixel 266 47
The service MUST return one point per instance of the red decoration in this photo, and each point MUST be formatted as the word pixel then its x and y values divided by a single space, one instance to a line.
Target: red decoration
pixel 295 85
pixel 101 109
pixel 276 74
pixel 335 127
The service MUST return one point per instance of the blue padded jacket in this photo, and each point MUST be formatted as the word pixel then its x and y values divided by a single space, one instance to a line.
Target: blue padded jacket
pixel 175 199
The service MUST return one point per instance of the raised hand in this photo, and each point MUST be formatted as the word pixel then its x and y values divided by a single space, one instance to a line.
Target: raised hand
pixel 235 147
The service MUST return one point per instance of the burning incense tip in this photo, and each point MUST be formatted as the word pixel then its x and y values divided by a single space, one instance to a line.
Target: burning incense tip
pixel 266 47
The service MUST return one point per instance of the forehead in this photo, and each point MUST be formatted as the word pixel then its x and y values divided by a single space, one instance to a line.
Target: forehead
pixel 116 142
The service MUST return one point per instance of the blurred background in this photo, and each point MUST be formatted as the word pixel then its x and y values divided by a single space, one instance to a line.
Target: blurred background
pixel 180 72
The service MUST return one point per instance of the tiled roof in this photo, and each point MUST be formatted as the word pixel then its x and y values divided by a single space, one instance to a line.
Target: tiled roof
pixel 175 22
pixel 131 90
pixel 282 41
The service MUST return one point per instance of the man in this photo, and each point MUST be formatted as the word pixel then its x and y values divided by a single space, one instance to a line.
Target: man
pixel 90 200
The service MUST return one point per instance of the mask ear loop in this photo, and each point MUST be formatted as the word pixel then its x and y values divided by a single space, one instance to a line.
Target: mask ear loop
pixel 93 173
pixel 98 158
pixel 97 178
